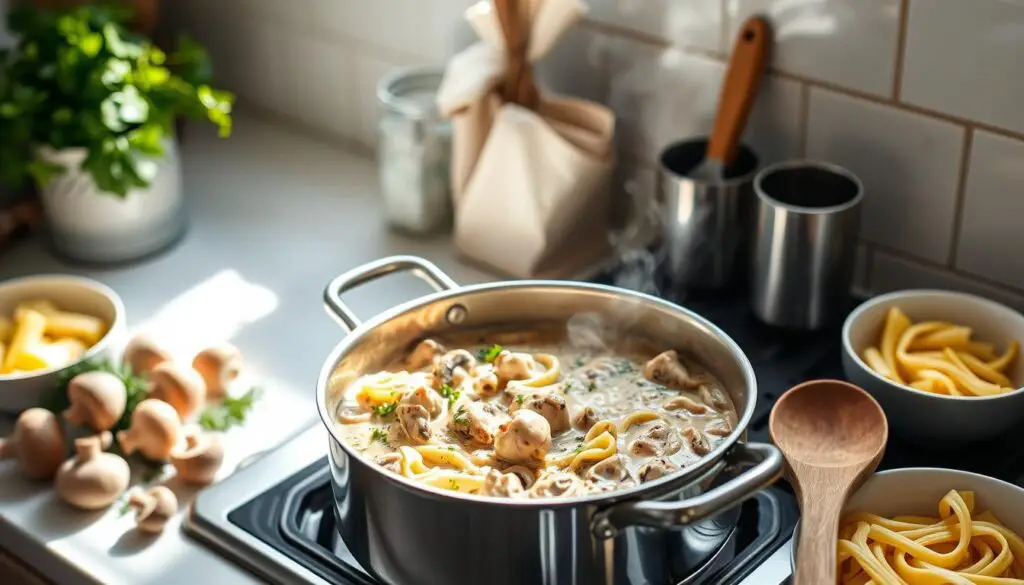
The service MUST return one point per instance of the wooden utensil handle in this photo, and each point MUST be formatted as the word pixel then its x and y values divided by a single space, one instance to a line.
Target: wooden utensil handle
pixel 742 80
pixel 816 550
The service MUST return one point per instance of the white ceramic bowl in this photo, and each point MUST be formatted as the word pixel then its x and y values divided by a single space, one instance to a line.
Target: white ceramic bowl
pixel 924 416
pixel 917 491
pixel 70 293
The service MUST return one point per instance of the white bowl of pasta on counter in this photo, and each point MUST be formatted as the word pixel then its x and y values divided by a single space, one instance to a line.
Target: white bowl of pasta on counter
pixel 944 365
pixel 944 526
pixel 49 323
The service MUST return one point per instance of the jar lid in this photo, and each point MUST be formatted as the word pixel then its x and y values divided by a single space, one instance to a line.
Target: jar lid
pixel 411 92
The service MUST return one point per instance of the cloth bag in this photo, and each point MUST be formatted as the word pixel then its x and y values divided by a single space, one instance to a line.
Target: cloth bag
pixel 530 172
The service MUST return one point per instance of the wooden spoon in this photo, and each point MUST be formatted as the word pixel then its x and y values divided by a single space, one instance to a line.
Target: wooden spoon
pixel 832 435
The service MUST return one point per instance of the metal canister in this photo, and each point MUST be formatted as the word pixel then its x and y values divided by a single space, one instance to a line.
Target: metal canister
pixel 414 152
pixel 805 241
pixel 704 225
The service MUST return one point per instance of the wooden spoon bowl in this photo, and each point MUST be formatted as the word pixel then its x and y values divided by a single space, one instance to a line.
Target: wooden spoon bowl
pixel 832 435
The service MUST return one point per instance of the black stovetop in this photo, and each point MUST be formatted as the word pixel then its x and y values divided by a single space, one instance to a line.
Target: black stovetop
pixel 296 518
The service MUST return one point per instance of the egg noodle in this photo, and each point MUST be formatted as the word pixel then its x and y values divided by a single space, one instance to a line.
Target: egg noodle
pixel 939 357
pixel 958 547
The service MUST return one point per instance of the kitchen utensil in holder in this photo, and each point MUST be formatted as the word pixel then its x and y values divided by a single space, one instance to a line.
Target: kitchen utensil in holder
pixel 805 240
pixel 530 172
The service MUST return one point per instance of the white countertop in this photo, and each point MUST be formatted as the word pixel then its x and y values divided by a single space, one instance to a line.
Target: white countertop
pixel 274 216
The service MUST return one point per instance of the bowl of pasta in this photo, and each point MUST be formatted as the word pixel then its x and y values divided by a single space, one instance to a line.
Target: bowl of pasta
pixel 942 526
pixel 49 323
pixel 944 365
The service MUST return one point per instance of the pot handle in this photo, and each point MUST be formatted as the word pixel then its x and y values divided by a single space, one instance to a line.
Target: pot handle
pixel 767 467
pixel 371 271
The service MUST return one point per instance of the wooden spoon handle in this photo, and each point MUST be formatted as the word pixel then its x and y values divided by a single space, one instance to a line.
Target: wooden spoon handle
pixel 742 80
pixel 816 550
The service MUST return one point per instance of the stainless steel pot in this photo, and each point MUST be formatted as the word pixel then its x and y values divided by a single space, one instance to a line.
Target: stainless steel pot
pixel 407 533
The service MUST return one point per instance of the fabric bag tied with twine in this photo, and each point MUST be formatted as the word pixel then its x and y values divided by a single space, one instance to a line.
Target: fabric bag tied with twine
pixel 530 172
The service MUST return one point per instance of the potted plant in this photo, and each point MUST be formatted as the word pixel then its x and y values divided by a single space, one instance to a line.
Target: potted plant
pixel 87 112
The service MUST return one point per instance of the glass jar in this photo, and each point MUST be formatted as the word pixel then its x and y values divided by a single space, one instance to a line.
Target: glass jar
pixel 414 153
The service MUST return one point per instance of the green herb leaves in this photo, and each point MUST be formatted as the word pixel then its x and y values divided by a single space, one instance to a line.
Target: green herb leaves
pixel 450 393
pixel 385 409
pixel 460 417
pixel 379 434
pixel 520 398
pixel 229 413
pixel 489 354
pixel 79 79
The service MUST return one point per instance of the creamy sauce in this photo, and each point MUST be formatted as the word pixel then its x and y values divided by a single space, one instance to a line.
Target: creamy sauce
pixel 536 417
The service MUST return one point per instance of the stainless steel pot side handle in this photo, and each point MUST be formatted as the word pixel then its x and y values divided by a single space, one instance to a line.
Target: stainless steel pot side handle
pixel 767 467
pixel 371 271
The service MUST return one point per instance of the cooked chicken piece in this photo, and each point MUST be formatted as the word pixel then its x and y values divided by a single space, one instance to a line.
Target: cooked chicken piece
pixel 687 403
pixel 556 484
pixel 718 428
pixel 486 385
pixel 424 354
pixel 550 406
pixel 425 397
pixel 453 367
pixel 657 438
pixel 391 462
pixel 514 366
pixel 415 421
pixel 656 469
pixel 698 442
pixel 715 397
pixel 585 418
pixel 612 469
pixel 665 369
pixel 477 421
pixel 524 439
pixel 505 485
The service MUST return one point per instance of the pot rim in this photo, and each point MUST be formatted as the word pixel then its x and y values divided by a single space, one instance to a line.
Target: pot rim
pixel 682 476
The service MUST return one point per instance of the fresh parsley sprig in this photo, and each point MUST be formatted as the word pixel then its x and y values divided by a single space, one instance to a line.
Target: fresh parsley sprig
pixel 230 412
pixel 489 354
pixel 450 393
pixel 385 409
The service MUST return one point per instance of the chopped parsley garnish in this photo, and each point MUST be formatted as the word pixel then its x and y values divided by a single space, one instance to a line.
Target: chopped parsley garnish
pixel 451 448
pixel 450 393
pixel 625 368
pixel 579 448
pixel 379 434
pixel 460 417
pixel 452 484
pixel 489 354
pixel 592 386
pixel 579 361
pixel 520 398
pixel 385 409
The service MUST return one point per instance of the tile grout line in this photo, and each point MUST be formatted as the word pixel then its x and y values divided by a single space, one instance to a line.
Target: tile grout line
pixel 961 195
pixel 901 49
pixel 938 266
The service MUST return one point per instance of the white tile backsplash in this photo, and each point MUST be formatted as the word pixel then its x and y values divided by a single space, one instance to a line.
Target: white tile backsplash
pixel 658 64
pixel 964 59
pixel 850 43
pixel 909 165
pixel 693 23
pixel 891 273
pixel 990 226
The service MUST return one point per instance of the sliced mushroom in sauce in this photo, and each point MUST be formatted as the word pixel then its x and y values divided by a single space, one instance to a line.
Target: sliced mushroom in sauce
pixel 414 420
pixel 551 406
pixel 667 370
pixel 526 438
pixel 505 485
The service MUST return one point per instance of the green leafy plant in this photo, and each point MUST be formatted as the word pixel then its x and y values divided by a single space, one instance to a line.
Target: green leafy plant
pixel 77 79
pixel 229 413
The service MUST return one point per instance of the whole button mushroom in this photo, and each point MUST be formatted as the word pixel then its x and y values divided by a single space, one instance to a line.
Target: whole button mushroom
pixel 219 367
pixel 198 461
pixel 182 388
pixel 153 508
pixel 37 443
pixel 92 479
pixel 97 400
pixel 154 432
pixel 143 354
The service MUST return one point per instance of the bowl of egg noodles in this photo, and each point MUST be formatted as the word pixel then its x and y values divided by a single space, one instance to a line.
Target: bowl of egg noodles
pixel 49 323
pixel 944 365
pixel 928 525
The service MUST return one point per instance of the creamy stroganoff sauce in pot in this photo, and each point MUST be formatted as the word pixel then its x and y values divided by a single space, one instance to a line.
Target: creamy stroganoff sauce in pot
pixel 532 415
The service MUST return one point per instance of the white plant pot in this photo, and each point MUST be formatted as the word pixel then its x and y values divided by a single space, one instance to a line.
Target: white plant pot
pixel 89 225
